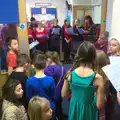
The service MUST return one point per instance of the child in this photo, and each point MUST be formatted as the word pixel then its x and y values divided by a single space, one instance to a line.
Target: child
pixel 11 107
pixel 39 109
pixel 12 53
pixel 99 63
pixel 85 85
pixel 31 69
pixel 56 70
pixel 114 47
pixel 40 84
pixel 23 62
pixel 102 42
pixel 113 50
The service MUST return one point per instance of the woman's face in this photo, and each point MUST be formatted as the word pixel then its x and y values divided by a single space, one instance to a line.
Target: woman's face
pixel 19 91
pixel 40 25
pixel 113 46
pixel 47 111
pixel 87 21
pixel 67 23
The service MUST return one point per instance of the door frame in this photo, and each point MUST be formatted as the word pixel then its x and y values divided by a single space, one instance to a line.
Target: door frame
pixel 79 7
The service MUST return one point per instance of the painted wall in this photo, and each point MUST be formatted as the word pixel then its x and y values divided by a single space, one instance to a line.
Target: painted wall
pixel 109 16
pixel 83 2
pixel 96 11
pixel 60 4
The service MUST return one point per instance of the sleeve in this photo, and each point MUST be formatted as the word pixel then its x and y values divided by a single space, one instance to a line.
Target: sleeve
pixel 50 32
pixel 62 33
pixel 52 89
pixel 10 114
pixel 49 72
pixel 28 90
pixel 11 61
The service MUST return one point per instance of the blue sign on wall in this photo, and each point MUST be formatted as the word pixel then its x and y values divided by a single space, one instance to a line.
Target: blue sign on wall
pixel 9 12
pixel 22 26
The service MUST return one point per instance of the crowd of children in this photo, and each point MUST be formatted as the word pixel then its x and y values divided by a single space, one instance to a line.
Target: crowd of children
pixel 37 84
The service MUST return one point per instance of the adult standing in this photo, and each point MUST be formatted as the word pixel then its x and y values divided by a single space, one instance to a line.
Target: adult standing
pixel 89 29
pixel 55 36
pixel 66 40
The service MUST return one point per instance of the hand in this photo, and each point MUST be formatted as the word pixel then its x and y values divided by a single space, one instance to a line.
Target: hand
pixel 118 98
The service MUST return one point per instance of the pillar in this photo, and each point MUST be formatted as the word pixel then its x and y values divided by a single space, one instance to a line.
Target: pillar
pixel 23 33
pixel 103 14
pixel 113 18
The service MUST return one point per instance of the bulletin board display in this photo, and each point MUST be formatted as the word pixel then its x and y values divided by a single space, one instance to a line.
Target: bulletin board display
pixel 44 13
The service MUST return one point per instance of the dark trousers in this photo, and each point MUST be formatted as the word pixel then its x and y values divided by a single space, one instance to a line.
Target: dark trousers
pixel 66 50
pixel 58 111
pixel 42 47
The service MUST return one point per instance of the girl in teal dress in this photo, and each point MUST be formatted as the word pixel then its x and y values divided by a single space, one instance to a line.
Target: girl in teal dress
pixel 86 86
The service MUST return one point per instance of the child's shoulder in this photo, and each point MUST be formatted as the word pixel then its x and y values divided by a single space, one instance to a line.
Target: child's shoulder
pixel 49 78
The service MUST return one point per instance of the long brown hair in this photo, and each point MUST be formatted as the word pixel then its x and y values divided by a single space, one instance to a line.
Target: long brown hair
pixel 100 62
pixel 8 90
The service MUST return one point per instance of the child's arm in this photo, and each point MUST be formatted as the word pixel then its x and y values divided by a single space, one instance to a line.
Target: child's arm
pixel 52 90
pixel 66 88
pixel 10 70
pixel 11 63
pixel 28 90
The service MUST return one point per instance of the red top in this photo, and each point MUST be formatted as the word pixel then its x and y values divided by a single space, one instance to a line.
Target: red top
pixel 66 35
pixel 41 35
pixel 11 59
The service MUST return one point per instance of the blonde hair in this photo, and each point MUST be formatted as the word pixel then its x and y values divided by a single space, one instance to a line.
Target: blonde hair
pixel 54 56
pixel 116 39
pixel 100 62
pixel 35 107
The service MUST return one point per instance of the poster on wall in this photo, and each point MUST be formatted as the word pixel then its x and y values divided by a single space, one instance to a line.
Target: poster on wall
pixel 43 10
pixel 41 17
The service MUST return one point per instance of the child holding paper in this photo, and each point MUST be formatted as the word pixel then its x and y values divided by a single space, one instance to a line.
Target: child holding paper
pixel 113 50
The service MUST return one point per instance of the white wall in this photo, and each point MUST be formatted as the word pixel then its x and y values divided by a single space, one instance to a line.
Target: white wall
pixel 83 2
pixel 60 4
pixel 109 16
pixel 96 11
pixel 113 18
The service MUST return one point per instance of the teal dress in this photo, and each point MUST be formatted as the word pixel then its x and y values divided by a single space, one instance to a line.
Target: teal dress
pixel 83 101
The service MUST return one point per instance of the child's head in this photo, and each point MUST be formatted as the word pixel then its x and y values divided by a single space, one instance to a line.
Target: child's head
pixel 12 90
pixel 52 57
pixel 34 53
pixel 86 54
pixel 100 62
pixel 103 38
pixel 114 46
pixel 23 60
pixel 39 109
pixel 12 43
pixel 39 62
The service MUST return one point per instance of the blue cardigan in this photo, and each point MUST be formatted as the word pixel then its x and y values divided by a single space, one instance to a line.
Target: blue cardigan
pixel 43 87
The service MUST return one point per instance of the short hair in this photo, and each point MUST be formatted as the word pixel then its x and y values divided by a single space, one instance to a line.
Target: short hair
pixel 39 61
pixel 34 53
pixel 9 40
pixel 22 60
pixel 32 19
